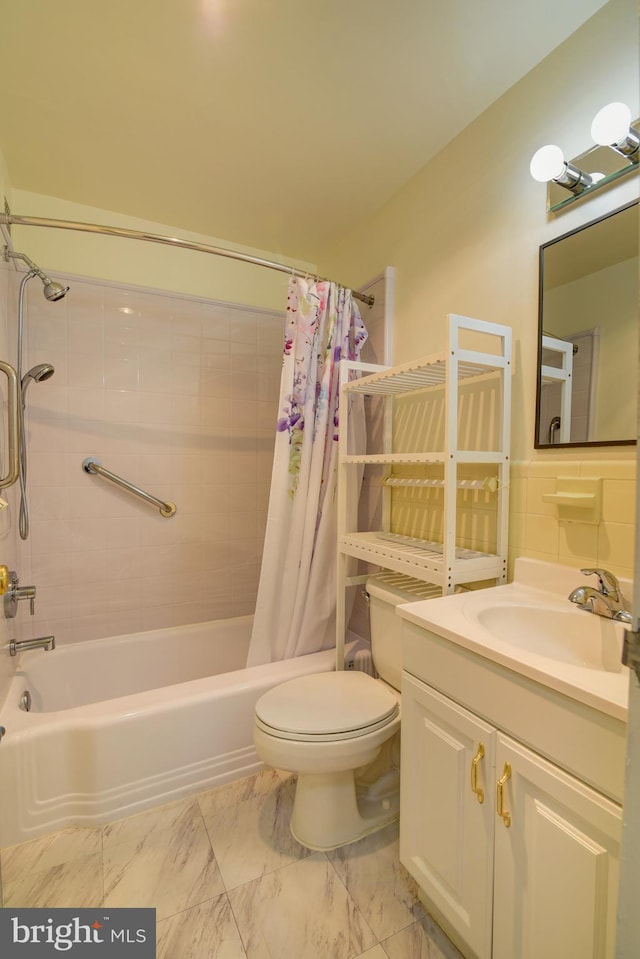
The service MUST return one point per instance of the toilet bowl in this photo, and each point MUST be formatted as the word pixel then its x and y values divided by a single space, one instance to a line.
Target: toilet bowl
pixel 340 731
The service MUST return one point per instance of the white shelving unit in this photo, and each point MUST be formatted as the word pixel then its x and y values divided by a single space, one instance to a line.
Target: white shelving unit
pixel 443 563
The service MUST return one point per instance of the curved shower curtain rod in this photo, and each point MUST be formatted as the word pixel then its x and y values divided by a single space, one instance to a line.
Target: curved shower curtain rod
pixel 10 219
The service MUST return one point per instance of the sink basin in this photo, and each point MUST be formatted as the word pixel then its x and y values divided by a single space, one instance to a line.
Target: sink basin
pixel 569 636
pixel 529 626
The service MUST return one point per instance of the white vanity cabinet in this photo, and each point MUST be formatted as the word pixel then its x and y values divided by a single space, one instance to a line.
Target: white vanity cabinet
pixel 446 810
pixel 516 857
pixel 556 863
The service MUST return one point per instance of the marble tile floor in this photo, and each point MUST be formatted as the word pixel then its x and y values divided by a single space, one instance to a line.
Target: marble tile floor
pixel 228 881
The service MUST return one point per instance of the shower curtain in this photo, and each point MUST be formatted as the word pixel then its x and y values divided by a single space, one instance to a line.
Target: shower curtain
pixel 295 608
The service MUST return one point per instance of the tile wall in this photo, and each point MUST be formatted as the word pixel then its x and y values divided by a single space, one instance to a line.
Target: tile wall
pixel 8 533
pixel 536 529
pixel 180 397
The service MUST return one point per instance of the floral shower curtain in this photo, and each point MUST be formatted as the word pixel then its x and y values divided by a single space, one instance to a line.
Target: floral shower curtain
pixel 295 609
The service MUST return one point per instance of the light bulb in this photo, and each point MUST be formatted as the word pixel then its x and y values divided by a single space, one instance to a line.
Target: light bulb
pixel 547 163
pixel 611 124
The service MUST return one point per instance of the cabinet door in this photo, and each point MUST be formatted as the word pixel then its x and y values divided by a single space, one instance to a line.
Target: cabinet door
pixel 446 832
pixel 556 863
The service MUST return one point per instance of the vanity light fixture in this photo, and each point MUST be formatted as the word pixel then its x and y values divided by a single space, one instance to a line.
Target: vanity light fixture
pixel 611 127
pixel 616 154
pixel 548 163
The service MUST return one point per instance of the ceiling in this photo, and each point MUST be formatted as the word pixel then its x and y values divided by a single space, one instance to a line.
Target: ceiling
pixel 270 123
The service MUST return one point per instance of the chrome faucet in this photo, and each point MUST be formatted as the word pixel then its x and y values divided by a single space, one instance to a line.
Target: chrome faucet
pixel 43 642
pixel 605 601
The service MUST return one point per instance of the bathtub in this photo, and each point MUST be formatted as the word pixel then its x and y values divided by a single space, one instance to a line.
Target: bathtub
pixel 121 724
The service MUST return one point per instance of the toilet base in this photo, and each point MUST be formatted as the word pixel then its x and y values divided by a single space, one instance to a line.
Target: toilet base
pixel 329 812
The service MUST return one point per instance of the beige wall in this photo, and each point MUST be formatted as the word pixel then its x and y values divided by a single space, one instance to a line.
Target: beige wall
pixel 144 264
pixel 463 237
pixel 5 183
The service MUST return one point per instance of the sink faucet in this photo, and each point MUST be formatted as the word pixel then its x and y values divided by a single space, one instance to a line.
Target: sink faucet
pixel 605 601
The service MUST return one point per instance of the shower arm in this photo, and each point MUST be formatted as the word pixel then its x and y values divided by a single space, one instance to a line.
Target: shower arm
pixel 10 254
pixel 11 219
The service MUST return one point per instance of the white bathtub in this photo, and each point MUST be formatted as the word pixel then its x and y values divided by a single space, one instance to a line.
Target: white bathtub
pixel 118 725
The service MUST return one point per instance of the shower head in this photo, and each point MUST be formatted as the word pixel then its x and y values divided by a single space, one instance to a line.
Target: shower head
pixel 52 289
pixel 43 371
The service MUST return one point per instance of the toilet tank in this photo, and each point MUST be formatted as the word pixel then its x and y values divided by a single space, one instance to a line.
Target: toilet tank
pixel 386 591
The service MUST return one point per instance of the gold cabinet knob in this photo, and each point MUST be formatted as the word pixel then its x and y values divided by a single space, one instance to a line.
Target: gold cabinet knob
pixel 4 579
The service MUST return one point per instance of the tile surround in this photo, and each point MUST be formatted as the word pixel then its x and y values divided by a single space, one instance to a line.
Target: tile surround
pixel 537 531
pixel 177 395
pixel 353 903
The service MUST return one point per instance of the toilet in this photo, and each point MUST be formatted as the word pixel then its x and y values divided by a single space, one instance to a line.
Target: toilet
pixel 340 731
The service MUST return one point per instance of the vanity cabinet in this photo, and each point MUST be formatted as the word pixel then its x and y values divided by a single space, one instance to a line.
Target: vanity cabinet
pixel 446 810
pixel 513 855
pixel 556 865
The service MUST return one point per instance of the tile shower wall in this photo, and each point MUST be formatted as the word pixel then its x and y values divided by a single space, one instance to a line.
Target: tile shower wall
pixel 177 395
pixel 8 548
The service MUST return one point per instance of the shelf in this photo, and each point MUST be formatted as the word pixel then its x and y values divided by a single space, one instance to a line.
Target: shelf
pixel 417 481
pixel 453 416
pixel 426 372
pixel 391 459
pixel 578 500
pixel 400 459
pixel 421 558
pixel 558 376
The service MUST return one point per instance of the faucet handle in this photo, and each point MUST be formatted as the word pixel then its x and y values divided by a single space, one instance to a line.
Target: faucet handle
pixel 14 593
pixel 27 592
pixel 607 582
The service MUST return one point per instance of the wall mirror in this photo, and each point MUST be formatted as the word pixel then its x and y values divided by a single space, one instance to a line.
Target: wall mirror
pixel 588 334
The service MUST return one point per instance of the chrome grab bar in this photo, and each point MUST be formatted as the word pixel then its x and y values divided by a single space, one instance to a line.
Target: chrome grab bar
pixel 13 413
pixel 91 465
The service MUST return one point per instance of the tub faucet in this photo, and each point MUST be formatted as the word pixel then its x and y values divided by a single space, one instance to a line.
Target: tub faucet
pixel 605 601
pixel 42 642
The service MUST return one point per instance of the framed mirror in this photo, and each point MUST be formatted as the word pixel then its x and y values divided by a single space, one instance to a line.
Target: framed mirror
pixel 588 334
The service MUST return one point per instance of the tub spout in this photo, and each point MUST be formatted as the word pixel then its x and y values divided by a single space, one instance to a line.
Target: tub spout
pixel 42 642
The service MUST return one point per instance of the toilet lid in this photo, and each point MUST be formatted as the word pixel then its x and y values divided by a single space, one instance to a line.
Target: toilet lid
pixel 326 704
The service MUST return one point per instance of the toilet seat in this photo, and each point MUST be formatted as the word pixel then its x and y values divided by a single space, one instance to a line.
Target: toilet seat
pixel 326 707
